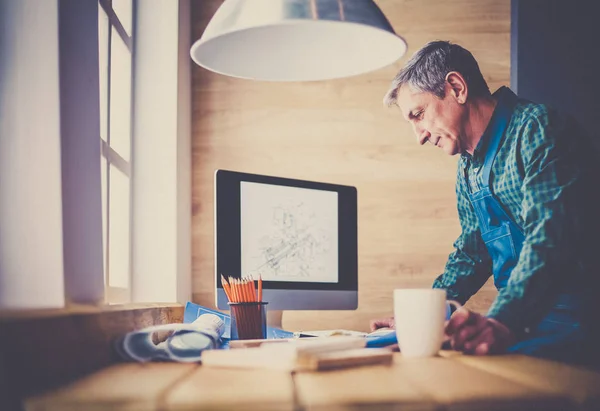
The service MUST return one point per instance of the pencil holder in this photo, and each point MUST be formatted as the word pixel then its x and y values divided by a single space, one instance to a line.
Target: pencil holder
pixel 248 320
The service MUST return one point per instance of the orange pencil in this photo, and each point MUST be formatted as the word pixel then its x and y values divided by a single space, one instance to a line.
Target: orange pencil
pixel 234 290
pixel 246 322
pixel 243 296
pixel 243 291
pixel 260 288
pixel 259 299
pixel 250 290
pixel 226 287
pixel 254 314
pixel 240 292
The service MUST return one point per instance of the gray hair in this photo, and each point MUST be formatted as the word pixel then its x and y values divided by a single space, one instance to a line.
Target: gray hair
pixel 427 69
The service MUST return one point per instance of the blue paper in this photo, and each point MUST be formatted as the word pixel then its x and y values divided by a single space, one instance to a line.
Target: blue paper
pixel 193 311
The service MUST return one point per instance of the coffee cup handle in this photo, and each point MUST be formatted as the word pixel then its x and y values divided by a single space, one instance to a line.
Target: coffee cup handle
pixel 453 303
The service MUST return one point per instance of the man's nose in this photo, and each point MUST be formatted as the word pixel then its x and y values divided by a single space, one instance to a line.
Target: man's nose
pixel 423 136
pixel 421 133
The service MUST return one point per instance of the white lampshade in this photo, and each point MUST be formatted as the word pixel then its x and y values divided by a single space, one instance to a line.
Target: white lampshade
pixel 297 40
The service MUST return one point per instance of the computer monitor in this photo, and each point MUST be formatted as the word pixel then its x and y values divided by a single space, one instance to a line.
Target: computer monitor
pixel 299 236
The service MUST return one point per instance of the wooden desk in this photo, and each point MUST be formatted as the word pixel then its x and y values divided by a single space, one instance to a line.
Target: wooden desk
pixel 448 382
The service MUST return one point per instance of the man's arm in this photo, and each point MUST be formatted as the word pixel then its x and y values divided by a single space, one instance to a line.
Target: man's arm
pixel 550 185
pixel 469 265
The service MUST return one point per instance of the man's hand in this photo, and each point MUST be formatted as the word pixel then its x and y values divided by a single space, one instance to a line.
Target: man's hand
pixel 474 333
pixel 383 323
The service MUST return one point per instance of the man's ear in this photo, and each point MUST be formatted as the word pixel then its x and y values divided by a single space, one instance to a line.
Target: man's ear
pixel 457 86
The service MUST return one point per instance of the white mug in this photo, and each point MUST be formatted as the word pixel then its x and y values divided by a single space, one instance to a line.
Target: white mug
pixel 419 315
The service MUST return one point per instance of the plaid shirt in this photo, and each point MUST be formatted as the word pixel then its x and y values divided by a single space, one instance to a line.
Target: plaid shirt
pixel 537 176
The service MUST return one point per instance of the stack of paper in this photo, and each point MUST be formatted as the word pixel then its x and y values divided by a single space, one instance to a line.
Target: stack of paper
pixel 332 333
pixel 300 354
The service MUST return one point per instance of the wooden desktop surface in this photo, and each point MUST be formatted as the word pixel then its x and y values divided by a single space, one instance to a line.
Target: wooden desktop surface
pixel 448 382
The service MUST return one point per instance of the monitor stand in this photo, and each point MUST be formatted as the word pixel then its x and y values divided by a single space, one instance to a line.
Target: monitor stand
pixel 274 318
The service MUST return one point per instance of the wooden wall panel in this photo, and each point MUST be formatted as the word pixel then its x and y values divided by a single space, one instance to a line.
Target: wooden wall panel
pixel 338 131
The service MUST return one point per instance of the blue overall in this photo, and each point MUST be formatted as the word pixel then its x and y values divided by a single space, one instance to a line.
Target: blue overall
pixel 559 335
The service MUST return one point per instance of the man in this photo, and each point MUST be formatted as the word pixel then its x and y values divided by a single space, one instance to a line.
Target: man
pixel 527 204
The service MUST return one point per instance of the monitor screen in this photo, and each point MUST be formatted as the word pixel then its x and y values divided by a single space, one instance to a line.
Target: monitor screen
pixel 299 236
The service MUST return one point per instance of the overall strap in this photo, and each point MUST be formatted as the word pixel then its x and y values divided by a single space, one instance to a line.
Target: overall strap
pixel 506 104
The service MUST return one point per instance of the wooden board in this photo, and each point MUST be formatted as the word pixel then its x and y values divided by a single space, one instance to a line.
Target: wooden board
pixel 581 385
pixel 120 387
pixel 457 386
pixel 372 387
pixel 434 383
pixel 452 382
pixel 227 389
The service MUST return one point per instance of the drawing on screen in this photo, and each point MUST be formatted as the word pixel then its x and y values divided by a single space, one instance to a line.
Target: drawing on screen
pixel 294 246
pixel 289 233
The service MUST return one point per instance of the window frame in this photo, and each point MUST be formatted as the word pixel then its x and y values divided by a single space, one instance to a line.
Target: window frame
pixel 113 294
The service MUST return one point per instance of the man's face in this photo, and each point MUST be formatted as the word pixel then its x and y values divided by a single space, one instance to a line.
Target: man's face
pixel 434 120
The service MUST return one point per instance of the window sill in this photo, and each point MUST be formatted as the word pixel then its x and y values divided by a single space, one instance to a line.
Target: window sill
pixel 82 310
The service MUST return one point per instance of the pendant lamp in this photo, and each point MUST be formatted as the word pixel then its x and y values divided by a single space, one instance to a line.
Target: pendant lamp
pixel 297 40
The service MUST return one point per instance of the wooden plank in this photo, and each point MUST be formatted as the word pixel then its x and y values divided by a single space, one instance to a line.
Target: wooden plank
pixel 373 387
pixel 45 349
pixel 580 384
pixel 457 386
pixel 233 389
pixel 119 387
pixel 11 316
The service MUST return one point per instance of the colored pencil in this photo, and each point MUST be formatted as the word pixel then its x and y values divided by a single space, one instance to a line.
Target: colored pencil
pixel 226 288
pixel 260 288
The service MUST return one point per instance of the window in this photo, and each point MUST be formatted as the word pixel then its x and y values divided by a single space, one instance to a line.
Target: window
pixel 115 21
